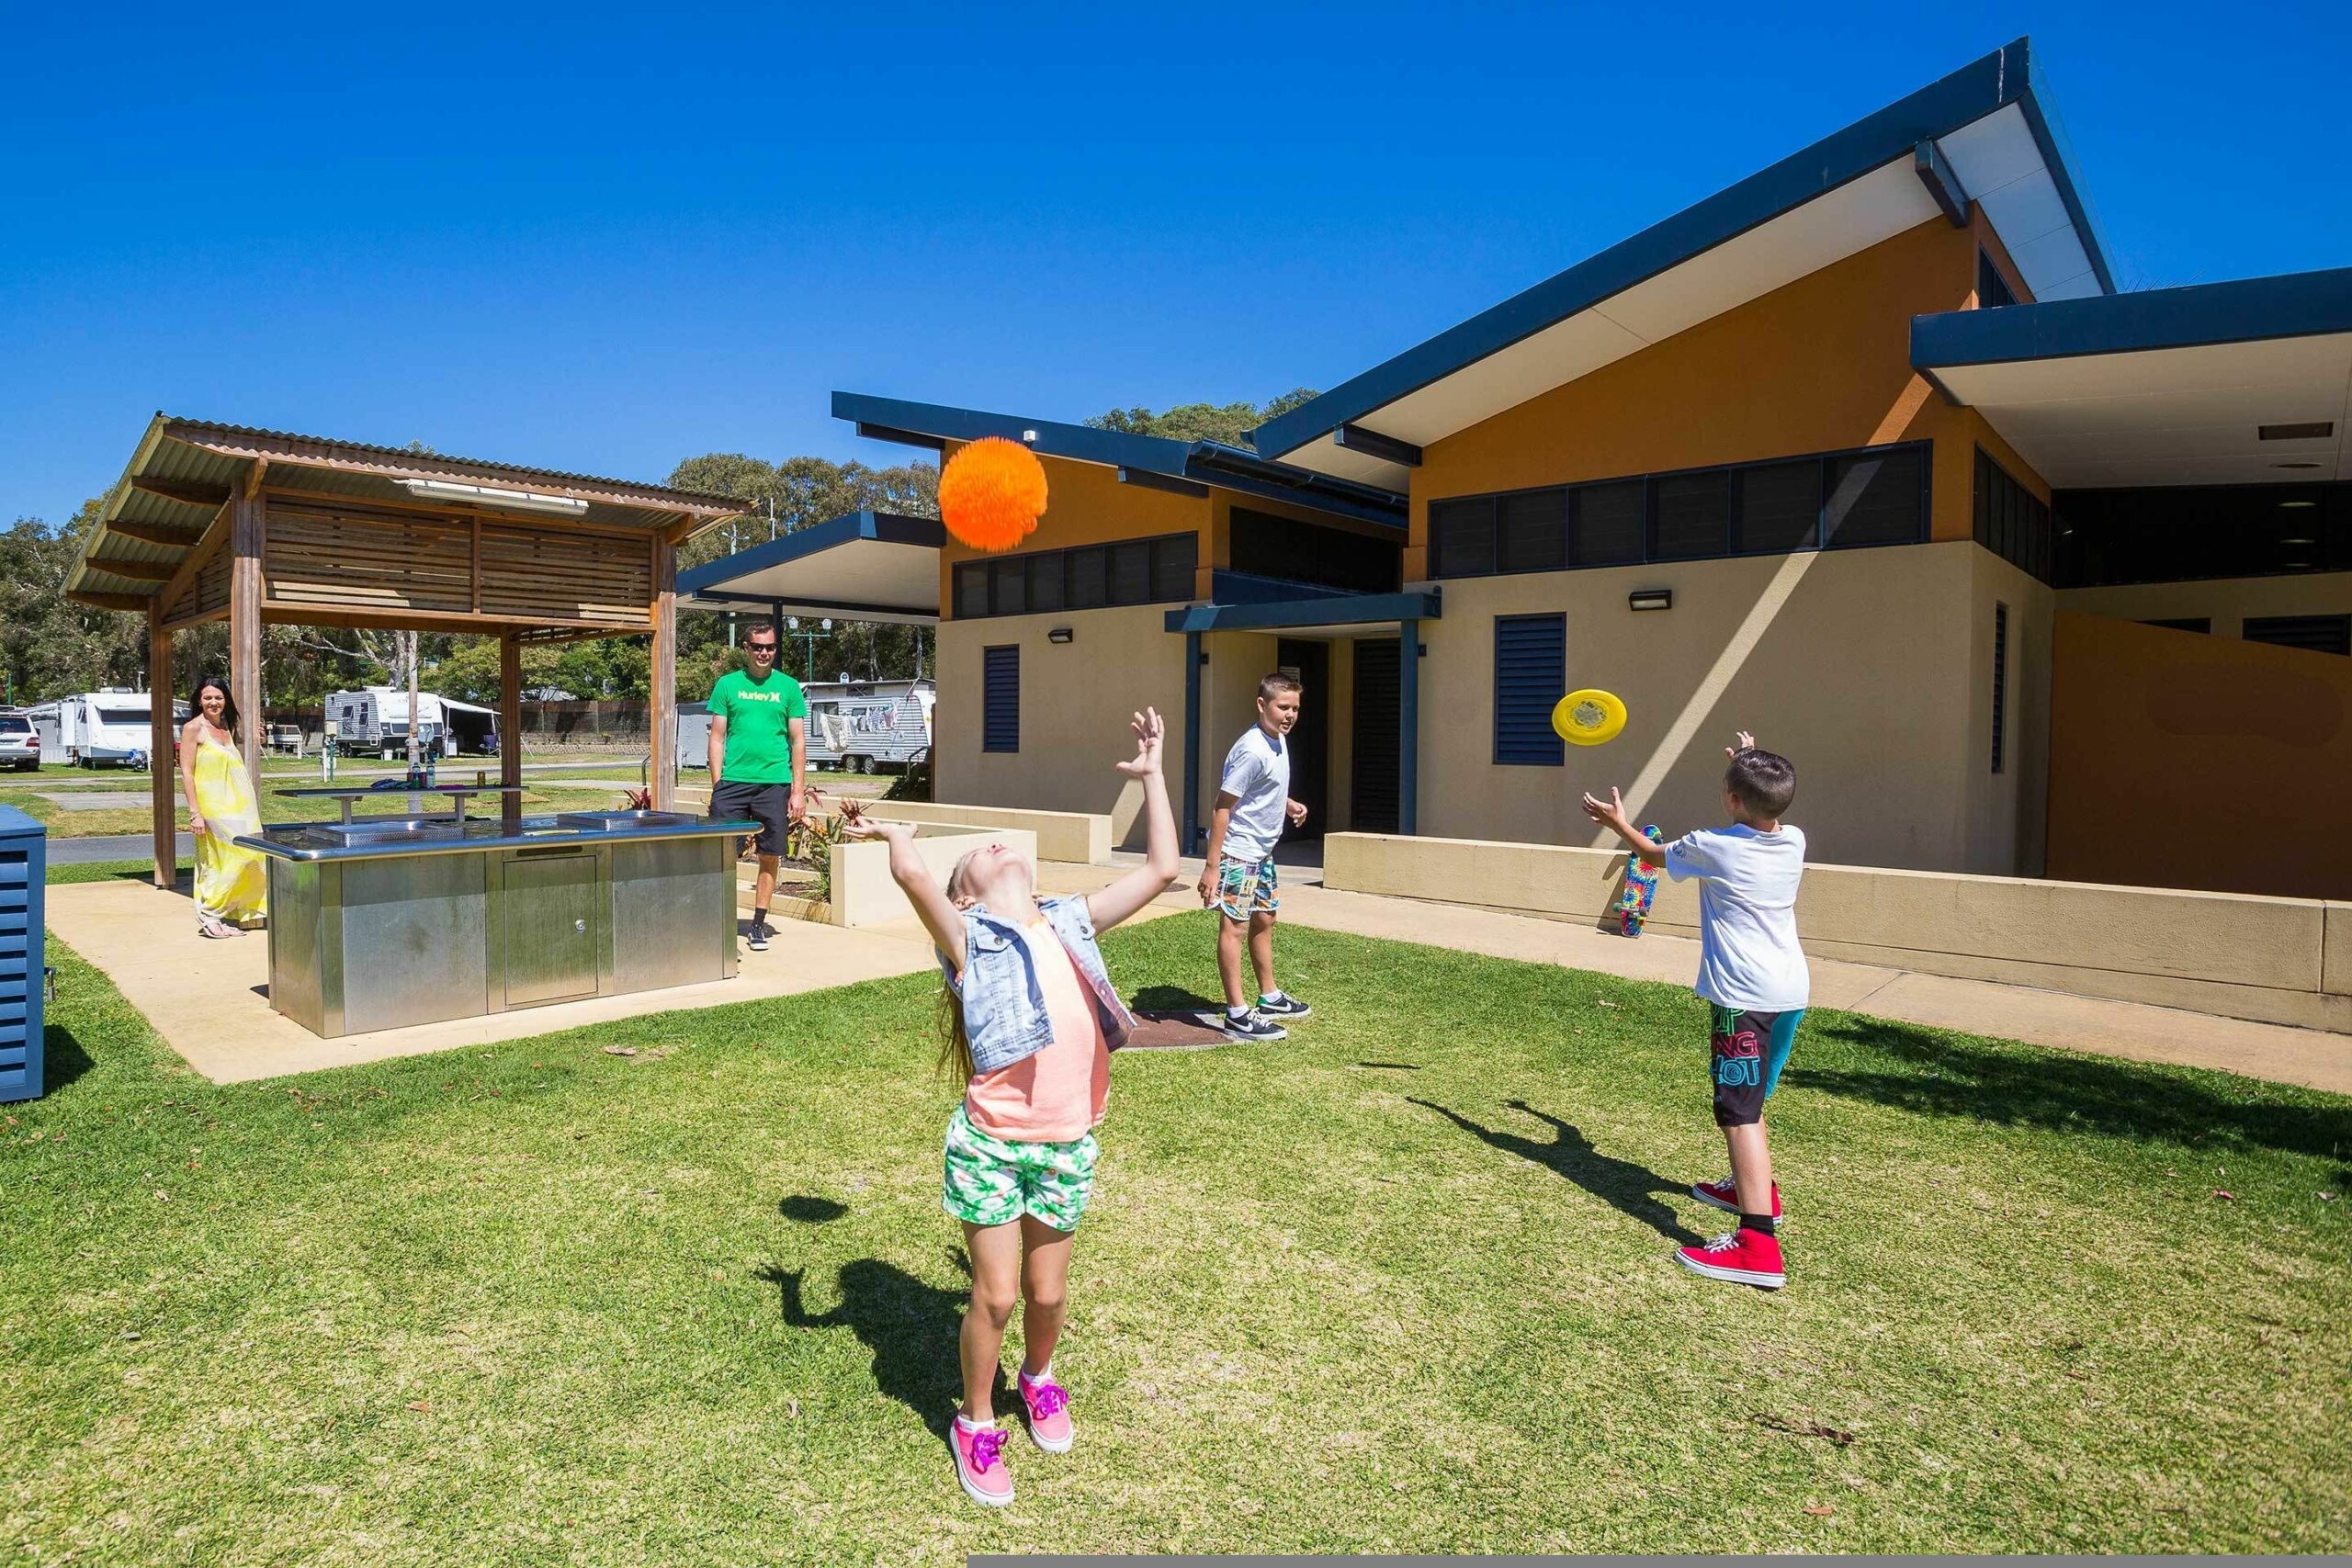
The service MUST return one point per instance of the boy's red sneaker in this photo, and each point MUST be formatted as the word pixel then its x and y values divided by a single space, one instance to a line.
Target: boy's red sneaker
pixel 1725 1195
pixel 1743 1256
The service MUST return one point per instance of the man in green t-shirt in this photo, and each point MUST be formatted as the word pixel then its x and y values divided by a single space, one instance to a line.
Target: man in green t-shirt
pixel 759 744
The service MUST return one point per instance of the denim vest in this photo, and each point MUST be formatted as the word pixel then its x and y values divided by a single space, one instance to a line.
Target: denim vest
pixel 1004 1009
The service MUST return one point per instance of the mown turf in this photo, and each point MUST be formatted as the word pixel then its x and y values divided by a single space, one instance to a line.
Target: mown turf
pixel 1401 1285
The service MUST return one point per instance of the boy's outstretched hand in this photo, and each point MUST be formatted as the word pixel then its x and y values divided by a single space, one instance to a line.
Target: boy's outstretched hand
pixel 1610 813
pixel 1148 730
pixel 1741 741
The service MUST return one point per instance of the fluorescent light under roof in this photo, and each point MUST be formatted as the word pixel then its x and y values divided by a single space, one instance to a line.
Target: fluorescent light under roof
pixel 489 495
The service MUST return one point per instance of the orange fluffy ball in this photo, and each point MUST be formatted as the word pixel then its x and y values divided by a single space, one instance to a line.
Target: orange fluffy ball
pixel 991 493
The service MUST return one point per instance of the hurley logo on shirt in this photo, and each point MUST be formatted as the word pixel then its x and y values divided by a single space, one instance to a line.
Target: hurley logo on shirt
pixel 761 696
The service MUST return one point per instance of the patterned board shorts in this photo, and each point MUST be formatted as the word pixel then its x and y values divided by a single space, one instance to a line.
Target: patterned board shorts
pixel 1745 1054
pixel 992 1182
pixel 1247 887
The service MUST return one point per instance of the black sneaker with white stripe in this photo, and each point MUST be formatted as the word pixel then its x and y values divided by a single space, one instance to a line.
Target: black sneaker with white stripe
pixel 759 935
pixel 1250 1025
pixel 1283 1008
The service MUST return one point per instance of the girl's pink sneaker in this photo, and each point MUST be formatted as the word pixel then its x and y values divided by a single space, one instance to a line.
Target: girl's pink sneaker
pixel 1048 1402
pixel 980 1463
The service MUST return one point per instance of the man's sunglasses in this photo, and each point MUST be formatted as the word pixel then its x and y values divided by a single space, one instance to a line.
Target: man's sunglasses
pixel 766 648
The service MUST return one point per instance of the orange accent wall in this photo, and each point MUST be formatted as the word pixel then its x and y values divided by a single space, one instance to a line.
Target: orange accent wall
pixel 2171 753
pixel 1818 364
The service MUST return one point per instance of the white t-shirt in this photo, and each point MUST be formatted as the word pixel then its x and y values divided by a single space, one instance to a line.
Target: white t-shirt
pixel 1257 774
pixel 1748 956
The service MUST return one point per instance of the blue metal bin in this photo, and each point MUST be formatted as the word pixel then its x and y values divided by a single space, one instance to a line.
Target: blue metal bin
pixel 24 873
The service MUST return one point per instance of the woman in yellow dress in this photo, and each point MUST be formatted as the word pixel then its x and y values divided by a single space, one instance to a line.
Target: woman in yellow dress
pixel 231 883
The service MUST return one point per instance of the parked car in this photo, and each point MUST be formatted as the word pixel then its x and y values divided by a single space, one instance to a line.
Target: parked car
pixel 19 743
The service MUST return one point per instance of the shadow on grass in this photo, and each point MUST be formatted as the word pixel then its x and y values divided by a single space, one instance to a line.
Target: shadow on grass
pixel 1631 1189
pixel 910 1327
pixel 1173 1000
pixel 1936 1075
pixel 62 1058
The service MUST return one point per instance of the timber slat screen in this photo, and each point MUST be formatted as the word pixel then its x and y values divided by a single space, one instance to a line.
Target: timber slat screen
pixel 349 560
pixel 575 575
pixel 345 558
pixel 209 593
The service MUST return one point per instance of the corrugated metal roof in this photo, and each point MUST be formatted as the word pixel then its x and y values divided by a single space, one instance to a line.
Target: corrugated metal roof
pixel 423 459
pixel 158 457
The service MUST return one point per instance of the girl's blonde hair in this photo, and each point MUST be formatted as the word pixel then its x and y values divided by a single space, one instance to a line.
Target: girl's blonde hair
pixel 956 1045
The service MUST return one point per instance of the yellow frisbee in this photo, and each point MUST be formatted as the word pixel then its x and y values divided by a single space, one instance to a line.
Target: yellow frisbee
pixel 1588 717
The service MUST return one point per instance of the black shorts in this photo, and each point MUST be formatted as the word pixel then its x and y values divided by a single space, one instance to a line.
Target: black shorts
pixel 769 805
pixel 1744 1056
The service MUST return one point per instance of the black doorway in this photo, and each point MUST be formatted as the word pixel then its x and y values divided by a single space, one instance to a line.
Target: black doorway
pixel 1310 741
pixel 1371 772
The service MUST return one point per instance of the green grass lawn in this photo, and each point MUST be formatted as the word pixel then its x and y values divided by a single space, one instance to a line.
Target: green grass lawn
pixel 1401 1285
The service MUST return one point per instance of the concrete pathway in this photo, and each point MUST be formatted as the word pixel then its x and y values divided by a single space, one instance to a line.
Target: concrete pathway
pixel 2315 1058
pixel 209 999
pixel 111 846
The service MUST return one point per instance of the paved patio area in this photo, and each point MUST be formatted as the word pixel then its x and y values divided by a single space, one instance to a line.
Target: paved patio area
pixel 208 999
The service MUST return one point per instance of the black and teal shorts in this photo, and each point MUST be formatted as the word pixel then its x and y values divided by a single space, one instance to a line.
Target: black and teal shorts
pixel 1745 1054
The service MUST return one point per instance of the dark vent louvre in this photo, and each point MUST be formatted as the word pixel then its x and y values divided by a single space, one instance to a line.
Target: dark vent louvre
pixel 2000 684
pixel 1992 288
pixel 1130 572
pixel 1046 581
pixel 1172 561
pixel 1373 765
pixel 2185 624
pixel 2316 633
pixel 1779 508
pixel 1009 583
pixel 1464 531
pixel 1089 582
pixel 2011 522
pixel 1531 531
pixel 1609 522
pixel 1878 497
pixel 1001 699
pixel 971 589
pixel 1531 673
pixel 1692 515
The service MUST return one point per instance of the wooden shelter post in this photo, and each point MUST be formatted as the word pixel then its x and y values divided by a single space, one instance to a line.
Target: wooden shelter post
pixel 244 618
pixel 163 774
pixel 663 715
pixel 510 720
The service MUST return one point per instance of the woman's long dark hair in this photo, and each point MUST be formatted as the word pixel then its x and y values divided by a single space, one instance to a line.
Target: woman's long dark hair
pixel 228 702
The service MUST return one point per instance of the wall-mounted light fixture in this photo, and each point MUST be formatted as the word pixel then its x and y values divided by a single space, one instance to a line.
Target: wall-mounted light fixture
pixel 1061 634
pixel 1650 599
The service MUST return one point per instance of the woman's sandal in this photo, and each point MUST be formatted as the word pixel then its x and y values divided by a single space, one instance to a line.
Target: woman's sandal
pixel 210 927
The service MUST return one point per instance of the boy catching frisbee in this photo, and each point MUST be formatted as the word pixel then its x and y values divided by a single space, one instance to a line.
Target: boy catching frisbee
pixel 1753 975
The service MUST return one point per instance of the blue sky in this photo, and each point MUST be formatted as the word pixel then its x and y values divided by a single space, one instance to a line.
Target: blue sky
pixel 601 238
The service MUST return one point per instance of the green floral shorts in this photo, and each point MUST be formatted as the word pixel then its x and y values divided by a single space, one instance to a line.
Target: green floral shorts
pixel 992 1182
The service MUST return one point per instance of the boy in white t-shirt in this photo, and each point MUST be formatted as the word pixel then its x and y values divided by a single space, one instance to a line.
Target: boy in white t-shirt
pixel 1753 975
pixel 1253 803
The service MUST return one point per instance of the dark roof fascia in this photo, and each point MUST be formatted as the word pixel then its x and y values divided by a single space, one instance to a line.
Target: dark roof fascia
pixel 1982 88
pixel 887 527
pixel 1337 610
pixel 2251 309
pixel 1201 462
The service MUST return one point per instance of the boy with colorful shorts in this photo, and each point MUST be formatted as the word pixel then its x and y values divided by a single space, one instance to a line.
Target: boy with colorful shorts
pixel 1253 805
pixel 1753 976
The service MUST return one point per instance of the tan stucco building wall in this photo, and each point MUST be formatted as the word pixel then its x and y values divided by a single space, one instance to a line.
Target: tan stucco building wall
pixel 1872 670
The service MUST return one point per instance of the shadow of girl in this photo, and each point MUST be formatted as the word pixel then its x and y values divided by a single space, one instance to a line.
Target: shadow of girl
pixel 909 1327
